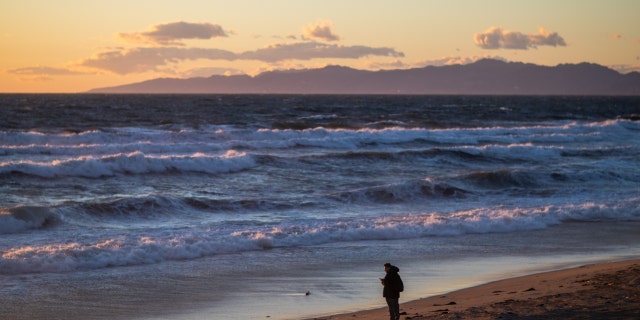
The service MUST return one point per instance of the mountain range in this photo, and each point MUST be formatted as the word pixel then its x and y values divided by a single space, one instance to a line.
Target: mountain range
pixel 484 77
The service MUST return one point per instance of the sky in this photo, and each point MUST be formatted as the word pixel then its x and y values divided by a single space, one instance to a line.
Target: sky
pixel 78 45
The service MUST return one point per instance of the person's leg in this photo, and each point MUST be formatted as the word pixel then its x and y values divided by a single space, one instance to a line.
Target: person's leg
pixel 390 304
pixel 394 309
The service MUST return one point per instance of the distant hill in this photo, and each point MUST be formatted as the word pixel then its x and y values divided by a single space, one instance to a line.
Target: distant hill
pixel 482 77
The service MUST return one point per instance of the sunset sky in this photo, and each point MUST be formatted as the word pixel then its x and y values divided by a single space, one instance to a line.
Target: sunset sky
pixel 77 45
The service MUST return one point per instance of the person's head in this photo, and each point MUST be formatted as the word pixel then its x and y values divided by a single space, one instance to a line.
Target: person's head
pixel 387 266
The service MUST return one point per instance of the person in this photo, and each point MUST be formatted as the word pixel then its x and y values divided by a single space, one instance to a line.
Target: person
pixel 392 286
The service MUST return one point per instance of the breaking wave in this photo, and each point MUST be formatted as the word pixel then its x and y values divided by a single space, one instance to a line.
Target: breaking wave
pixel 22 218
pixel 178 244
pixel 130 163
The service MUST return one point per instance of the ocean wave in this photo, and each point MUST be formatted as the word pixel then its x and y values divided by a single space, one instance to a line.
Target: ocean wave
pixel 166 245
pixel 501 179
pixel 149 211
pixel 456 186
pixel 131 209
pixel 521 181
pixel 399 192
pixel 23 218
pixel 149 207
pixel 484 153
pixel 227 137
pixel 404 154
pixel 130 163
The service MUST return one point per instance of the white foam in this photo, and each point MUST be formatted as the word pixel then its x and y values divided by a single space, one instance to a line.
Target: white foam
pixel 131 163
pixel 219 138
pixel 99 251
pixel 561 132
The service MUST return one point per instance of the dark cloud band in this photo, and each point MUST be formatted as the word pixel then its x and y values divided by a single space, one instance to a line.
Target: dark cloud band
pixel 151 59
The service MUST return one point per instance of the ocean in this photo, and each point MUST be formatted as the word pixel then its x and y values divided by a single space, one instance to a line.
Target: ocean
pixel 287 206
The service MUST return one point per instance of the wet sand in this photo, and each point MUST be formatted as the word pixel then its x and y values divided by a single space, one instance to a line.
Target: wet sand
pixel 596 291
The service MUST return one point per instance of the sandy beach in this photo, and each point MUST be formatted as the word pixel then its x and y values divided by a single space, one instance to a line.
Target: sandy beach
pixel 597 291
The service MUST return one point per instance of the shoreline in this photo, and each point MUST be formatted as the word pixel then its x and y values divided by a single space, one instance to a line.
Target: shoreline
pixel 593 291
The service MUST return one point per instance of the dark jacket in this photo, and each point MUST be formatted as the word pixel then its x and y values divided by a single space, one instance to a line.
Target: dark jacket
pixel 392 283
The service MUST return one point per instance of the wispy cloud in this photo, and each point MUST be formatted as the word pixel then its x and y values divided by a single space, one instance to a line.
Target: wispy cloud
pixel 453 60
pixel 321 30
pixel 626 68
pixel 498 38
pixel 138 60
pixel 43 73
pixel 397 64
pixel 172 34
pixel 46 71
pixel 315 50
pixel 210 71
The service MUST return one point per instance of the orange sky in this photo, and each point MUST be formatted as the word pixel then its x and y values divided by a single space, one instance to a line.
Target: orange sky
pixel 77 45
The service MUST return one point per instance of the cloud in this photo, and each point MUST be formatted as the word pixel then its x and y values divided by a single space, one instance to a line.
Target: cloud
pixel 321 30
pixel 172 51
pixel 314 50
pixel 171 33
pixel 626 68
pixel 453 60
pixel 43 73
pixel 209 71
pixel 398 64
pixel 498 38
pixel 138 60
pixel 48 71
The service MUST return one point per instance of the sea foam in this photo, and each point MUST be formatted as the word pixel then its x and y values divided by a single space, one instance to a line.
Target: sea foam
pixel 131 163
pixel 168 244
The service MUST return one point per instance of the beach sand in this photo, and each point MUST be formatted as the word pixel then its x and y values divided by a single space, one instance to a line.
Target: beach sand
pixel 597 291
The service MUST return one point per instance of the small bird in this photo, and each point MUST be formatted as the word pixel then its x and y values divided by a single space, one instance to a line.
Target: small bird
pixel 307 293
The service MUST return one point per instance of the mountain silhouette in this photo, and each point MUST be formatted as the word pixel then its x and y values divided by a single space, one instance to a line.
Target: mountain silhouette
pixel 484 77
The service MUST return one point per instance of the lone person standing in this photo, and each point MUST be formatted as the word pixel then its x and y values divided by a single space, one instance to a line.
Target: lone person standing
pixel 392 287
